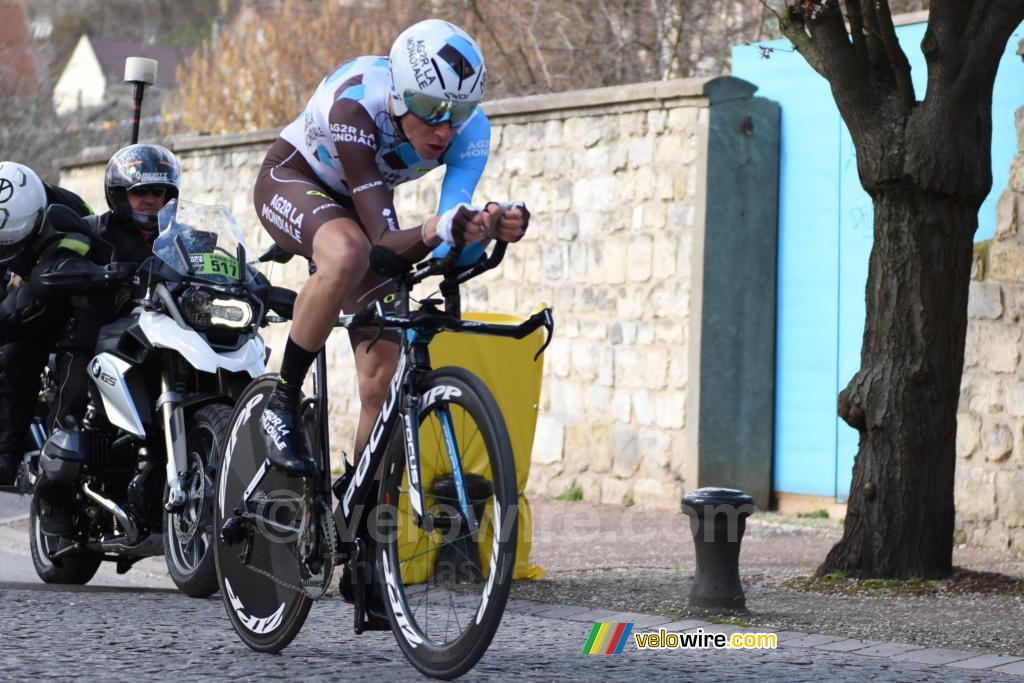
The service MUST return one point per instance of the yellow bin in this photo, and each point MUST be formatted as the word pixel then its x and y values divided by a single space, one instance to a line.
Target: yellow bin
pixel 508 369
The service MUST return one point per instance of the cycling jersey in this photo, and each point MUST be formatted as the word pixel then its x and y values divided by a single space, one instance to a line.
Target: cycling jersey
pixel 356 150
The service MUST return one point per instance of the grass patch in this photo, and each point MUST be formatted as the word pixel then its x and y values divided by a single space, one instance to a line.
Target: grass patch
pixel 814 514
pixel 628 500
pixel 572 494
pixel 960 582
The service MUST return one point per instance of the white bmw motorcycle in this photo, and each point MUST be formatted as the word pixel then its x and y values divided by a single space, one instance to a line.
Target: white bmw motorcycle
pixel 139 468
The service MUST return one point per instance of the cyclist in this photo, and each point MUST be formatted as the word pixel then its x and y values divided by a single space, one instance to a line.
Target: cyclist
pixel 326 191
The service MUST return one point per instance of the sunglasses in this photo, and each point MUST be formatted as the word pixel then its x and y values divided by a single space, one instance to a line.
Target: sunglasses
pixel 157 191
pixel 434 111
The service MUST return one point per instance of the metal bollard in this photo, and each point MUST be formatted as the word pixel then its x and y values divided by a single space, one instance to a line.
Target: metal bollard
pixel 718 518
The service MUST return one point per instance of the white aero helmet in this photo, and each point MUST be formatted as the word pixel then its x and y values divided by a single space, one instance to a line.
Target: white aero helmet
pixel 22 203
pixel 437 73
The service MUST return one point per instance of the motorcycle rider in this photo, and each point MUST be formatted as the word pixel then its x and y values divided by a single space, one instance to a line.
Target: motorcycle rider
pixel 28 329
pixel 139 181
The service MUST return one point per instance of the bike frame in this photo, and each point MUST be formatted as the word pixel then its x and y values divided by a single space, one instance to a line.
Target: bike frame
pixel 402 402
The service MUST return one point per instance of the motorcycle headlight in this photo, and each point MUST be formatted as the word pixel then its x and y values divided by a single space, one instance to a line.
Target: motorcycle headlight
pixel 201 310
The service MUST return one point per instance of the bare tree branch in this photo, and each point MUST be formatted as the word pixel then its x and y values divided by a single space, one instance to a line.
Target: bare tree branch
pixel 857 30
pixel 898 62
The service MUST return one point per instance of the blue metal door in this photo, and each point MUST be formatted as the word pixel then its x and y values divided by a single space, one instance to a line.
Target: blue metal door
pixel 825 236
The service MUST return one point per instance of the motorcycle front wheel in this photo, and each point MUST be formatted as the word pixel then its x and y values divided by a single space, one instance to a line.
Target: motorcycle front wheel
pixel 188 532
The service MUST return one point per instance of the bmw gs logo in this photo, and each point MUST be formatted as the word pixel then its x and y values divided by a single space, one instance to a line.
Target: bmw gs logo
pixel 96 369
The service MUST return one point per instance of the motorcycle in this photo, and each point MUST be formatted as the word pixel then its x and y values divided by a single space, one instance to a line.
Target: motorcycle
pixel 139 467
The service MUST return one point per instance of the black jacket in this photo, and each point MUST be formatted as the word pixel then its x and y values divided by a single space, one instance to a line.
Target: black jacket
pixel 67 281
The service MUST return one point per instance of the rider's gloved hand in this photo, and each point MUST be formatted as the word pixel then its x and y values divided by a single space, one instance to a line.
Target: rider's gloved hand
pixel 459 224
pixel 507 221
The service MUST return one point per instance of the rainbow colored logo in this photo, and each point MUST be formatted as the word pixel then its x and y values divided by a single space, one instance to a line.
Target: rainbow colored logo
pixel 607 639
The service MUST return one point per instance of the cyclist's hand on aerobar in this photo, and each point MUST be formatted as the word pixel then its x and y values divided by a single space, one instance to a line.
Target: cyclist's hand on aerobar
pixel 462 224
pixel 511 227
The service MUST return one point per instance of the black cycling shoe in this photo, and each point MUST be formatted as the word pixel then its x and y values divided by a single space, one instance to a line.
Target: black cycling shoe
pixel 285 440
pixel 375 617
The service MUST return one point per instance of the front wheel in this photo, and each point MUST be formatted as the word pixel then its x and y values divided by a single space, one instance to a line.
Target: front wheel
pixel 446 586
pixel 188 533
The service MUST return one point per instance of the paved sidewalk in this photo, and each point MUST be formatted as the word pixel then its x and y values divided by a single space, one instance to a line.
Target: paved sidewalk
pixel 814 646
pixel 611 564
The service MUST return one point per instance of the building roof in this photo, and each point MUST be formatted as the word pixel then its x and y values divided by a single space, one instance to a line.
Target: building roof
pixel 112 53
pixel 16 55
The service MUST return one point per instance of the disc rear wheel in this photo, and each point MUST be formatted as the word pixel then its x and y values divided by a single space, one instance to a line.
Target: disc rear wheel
pixel 257 568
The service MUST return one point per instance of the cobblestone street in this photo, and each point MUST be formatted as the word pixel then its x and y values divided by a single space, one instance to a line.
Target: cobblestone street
pixel 158 634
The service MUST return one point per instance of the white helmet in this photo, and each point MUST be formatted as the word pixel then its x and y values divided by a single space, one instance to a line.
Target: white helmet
pixel 437 73
pixel 22 203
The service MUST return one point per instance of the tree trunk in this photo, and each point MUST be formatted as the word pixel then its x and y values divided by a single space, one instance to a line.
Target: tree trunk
pixel 903 400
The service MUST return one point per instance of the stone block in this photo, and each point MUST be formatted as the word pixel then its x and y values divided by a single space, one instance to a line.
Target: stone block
pixel 683 120
pixel 1009 214
pixel 657 494
pixel 1010 497
pixel 985 395
pixel 655 367
pixel 985 300
pixel 622 405
pixel 640 152
pixel 625 452
pixel 968 434
pixel 656 121
pixel 595 194
pixel 1015 397
pixel 555 259
pixel 655 451
pixel 565 228
pixel 606 367
pixel 1006 261
pixel 640 255
pixel 975 493
pixel 678 369
pixel 613 491
pixel 997 441
pixel 664 256
pixel 671 409
pixel 549 441
pixel 644 408
pixel 585 358
pixel 1000 346
pixel 670 331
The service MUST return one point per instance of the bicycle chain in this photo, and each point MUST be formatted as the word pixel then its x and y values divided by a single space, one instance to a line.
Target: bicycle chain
pixel 310 587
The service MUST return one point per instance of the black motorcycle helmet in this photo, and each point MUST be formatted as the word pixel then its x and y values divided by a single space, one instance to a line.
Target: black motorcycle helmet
pixel 138 166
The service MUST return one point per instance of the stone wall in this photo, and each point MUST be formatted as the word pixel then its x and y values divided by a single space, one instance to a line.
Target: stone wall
pixel 615 181
pixel 990 423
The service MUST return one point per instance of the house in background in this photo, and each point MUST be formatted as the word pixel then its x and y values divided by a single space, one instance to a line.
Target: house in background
pixel 18 75
pixel 97 64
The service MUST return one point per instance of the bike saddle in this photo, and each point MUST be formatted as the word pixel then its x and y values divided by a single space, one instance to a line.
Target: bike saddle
pixel 387 263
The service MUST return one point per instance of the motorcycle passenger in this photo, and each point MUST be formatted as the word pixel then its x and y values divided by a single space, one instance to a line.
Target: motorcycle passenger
pixel 29 328
pixel 139 180
pixel 326 191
